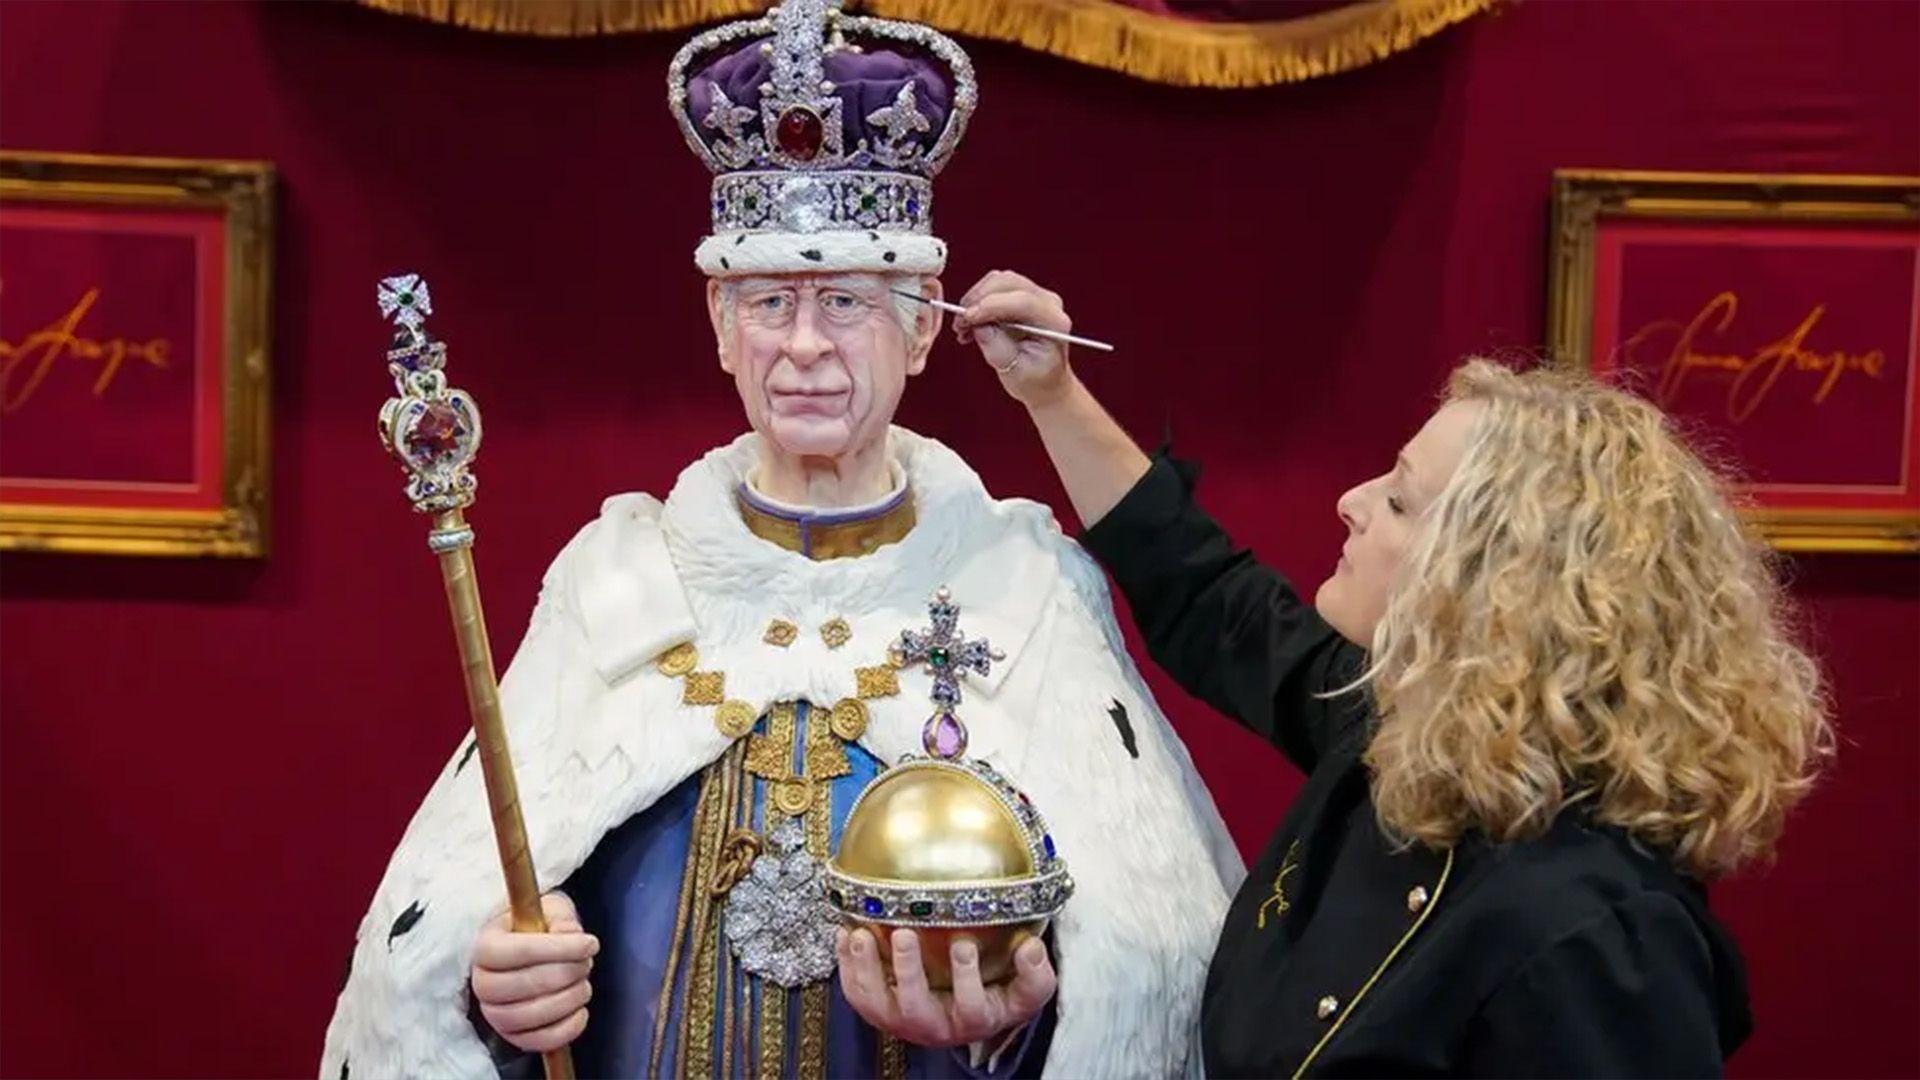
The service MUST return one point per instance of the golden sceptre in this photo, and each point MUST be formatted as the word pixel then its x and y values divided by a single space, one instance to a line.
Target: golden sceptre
pixel 434 431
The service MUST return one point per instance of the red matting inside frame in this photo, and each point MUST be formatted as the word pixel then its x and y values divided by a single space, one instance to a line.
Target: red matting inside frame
pixel 112 346
pixel 1790 347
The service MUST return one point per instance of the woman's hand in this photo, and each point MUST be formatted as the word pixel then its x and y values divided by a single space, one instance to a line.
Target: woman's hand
pixel 1097 461
pixel 1033 369
pixel 910 1011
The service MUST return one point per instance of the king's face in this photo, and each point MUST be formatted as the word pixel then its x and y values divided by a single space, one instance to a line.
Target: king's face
pixel 820 360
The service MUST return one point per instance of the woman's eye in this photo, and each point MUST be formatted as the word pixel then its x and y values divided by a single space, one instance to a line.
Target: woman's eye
pixel 840 301
pixel 770 303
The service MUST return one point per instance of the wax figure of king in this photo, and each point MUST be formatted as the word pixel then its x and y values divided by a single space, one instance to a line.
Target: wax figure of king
pixel 706 684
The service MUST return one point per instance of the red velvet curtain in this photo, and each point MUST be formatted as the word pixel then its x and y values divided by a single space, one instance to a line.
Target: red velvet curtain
pixel 203 766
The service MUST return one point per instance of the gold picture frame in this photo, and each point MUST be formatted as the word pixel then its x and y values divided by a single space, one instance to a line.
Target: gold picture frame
pixel 1586 200
pixel 243 193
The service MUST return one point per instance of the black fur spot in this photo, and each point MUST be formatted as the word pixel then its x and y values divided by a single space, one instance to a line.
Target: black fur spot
pixel 466 755
pixel 812 255
pixel 724 264
pixel 1125 726
pixel 874 236
pixel 889 256
pixel 741 239
pixel 344 1062
pixel 407 920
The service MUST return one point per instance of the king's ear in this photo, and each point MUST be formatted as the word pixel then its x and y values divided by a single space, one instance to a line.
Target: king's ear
pixel 717 315
pixel 926 324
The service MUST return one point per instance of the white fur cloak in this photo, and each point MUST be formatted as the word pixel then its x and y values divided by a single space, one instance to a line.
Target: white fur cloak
pixel 597 734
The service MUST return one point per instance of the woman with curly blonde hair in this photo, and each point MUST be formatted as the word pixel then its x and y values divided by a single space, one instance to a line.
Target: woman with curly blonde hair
pixel 1550 691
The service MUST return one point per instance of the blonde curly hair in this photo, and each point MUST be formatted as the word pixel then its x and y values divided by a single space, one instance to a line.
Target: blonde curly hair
pixel 1584 619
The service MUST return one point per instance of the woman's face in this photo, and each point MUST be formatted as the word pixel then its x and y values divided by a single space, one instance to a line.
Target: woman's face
pixel 1382 516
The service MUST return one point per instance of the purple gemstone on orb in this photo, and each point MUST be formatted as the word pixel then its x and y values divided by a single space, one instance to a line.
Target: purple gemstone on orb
pixel 874 907
pixel 1047 842
pixel 944 737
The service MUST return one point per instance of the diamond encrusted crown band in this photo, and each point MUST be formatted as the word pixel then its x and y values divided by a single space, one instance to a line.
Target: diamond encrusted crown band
pixel 821 202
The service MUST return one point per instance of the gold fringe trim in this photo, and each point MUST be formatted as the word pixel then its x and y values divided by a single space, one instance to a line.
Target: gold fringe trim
pixel 1101 33
pixel 571 18
pixel 1183 53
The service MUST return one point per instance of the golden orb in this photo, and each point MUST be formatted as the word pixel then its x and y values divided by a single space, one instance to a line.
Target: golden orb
pixel 951 850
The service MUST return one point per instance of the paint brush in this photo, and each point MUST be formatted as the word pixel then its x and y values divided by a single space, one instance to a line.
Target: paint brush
pixel 956 309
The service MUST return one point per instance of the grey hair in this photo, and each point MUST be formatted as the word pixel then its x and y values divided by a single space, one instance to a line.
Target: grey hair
pixel 905 312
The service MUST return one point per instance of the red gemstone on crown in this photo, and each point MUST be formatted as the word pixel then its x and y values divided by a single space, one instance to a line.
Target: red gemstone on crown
pixel 799 133
pixel 436 433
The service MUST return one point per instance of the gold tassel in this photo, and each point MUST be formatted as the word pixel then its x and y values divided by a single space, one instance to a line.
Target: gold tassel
pixel 1101 33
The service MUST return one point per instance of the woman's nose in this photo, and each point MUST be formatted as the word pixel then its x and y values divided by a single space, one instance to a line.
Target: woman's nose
pixel 1348 508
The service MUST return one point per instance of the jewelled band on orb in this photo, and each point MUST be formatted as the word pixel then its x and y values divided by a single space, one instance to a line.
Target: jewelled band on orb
pixel 952 904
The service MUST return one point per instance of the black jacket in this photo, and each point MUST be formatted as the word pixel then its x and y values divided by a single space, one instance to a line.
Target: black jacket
pixel 1580 953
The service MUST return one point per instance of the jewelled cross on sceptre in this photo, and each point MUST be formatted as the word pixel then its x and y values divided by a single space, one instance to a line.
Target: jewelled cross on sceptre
pixel 946 654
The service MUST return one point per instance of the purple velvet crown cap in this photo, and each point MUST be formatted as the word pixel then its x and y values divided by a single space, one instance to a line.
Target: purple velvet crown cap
pixel 865 82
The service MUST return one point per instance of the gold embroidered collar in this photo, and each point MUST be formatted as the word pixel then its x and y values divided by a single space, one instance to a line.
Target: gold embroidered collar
pixel 828 534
